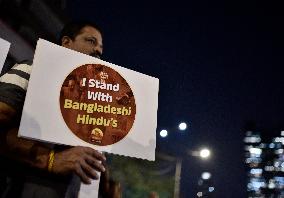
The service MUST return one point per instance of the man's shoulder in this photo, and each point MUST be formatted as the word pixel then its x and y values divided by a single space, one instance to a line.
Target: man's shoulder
pixel 25 67
pixel 18 75
pixel 13 85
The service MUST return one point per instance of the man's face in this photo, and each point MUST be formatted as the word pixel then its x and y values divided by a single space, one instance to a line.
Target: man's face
pixel 89 41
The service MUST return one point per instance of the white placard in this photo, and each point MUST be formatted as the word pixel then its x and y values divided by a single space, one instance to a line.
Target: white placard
pixel 42 117
pixel 4 49
pixel 91 190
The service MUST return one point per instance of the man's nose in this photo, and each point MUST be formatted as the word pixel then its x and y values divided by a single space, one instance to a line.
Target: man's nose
pixel 97 52
pixel 99 49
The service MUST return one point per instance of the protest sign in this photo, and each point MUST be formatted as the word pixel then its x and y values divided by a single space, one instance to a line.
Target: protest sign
pixel 4 48
pixel 76 99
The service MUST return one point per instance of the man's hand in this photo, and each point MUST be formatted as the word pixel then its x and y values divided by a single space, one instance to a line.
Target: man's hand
pixel 83 161
pixel 7 114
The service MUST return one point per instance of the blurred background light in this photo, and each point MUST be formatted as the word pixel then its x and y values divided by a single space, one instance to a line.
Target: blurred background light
pixel 256 151
pixel 256 171
pixel 204 153
pixel 163 133
pixel 211 189
pixel 182 126
pixel 206 175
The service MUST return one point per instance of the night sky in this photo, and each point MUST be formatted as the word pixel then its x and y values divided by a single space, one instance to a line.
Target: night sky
pixel 219 65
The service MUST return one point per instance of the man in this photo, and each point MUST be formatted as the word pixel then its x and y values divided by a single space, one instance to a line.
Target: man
pixel 38 169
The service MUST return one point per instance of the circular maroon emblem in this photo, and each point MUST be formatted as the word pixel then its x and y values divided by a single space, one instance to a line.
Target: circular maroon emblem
pixel 97 104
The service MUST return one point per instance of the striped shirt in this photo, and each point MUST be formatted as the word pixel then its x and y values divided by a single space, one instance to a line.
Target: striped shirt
pixel 13 86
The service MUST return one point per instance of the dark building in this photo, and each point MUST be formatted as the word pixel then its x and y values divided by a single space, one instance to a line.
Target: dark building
pixel 23 22
pixel 264 159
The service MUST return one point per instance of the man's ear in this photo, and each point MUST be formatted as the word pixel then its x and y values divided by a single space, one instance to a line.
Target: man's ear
pixel 66 41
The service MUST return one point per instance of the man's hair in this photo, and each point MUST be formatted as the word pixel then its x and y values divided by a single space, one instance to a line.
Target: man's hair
pixel 74 28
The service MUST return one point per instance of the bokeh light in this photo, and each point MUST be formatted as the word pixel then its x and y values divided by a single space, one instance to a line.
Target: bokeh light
pixel 204 153
pixel 206 175
pixel 182 126
pixel 163 133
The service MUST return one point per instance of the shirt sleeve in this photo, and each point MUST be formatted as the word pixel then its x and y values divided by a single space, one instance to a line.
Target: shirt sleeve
pixel 13 86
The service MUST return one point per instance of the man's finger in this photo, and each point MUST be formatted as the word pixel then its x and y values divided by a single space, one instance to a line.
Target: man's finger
pixel 98 155
pixel 84 178
pixel 95 164
pixel 89 170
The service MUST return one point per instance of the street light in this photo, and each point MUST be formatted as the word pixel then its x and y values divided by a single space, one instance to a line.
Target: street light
pixel 204 153
pixel 163 133
pixel 182 126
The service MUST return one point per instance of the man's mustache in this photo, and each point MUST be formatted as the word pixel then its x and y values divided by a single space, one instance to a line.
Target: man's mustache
pixel 96 54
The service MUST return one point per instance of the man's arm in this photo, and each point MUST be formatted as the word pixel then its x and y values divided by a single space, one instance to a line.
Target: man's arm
pixel 83 161
pixel 7 113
